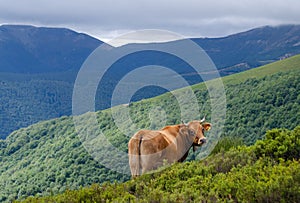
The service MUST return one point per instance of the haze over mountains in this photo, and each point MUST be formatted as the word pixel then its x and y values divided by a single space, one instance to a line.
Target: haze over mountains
pixel 38 66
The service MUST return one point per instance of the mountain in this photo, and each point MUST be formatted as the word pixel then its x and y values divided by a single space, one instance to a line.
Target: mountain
pixel 38 67
pixel 252 48
pixel 49 157
pixel 29 49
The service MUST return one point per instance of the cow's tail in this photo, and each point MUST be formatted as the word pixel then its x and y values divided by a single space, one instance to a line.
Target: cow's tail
pixel 134 152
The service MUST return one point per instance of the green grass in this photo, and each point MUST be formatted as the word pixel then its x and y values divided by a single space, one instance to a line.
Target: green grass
pixel 286 65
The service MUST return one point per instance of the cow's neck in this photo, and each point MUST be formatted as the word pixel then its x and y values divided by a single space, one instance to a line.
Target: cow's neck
pixel 185 145
pixel 184 156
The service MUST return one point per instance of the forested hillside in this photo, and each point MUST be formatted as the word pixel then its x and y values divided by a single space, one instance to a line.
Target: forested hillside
pixel 22 104
pixel 47 158
pixel 38 66
pixel 268 171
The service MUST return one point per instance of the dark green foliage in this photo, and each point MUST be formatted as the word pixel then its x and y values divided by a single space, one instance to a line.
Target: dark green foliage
pixel 225 143
pixel 249 177
pixel 23 104
pixel 258 105
pixel 280 144
pixel 48 158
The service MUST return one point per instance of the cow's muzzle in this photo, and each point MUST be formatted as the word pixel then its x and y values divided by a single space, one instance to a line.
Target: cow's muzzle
pixel 201 141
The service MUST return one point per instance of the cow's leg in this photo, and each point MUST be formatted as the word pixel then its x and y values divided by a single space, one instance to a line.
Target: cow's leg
pixel 134 155
pixel 151 162
pixel 134 165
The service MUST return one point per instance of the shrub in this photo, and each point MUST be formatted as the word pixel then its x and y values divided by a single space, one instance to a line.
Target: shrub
pixel 280 143
pixel 225 143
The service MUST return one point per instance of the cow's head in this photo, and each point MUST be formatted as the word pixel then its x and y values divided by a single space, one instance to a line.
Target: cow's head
pixel 198 128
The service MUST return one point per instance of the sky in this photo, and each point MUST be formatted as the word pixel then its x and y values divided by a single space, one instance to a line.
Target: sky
pixel 107 19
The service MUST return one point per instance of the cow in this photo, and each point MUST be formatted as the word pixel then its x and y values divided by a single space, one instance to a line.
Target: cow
pixel 151 149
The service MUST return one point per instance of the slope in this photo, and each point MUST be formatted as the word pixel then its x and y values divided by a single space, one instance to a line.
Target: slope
pixel 252 48
pixel 29 49
pixel 38 66
pixel 26 100
pixel 48 157
pixel 44 63
pixel 259 173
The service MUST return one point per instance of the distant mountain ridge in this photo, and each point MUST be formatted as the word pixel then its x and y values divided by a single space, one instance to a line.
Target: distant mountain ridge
pixel 253 48
pixel 29 49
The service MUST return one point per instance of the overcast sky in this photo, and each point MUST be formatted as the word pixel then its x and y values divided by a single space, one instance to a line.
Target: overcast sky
pixel 191 18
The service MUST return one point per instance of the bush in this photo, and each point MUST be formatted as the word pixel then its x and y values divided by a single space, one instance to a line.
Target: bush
pixel 280 144
pixel 226 143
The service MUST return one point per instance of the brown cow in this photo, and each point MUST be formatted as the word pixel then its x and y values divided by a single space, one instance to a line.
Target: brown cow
pixel 149 149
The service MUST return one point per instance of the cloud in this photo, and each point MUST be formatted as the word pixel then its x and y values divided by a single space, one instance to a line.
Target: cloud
pixel 107 19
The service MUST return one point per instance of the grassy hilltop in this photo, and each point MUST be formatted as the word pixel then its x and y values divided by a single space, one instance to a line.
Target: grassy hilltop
pixel 48 157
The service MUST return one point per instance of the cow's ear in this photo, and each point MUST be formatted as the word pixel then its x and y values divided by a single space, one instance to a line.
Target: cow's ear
pixel 206 126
